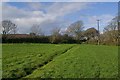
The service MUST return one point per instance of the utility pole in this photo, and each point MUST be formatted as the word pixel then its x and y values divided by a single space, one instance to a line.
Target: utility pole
pixel 98 31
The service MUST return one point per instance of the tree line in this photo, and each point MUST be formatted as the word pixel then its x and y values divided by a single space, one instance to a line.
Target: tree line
pixel 74 33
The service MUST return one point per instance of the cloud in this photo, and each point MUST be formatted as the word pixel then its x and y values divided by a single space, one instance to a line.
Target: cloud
pixel 49 16
pixel 94 0
pixel 104 20
pixel 25 18
pixel 66 8
pixel 12 12
pixel 34 5
pixel 17 0
pixel 60 0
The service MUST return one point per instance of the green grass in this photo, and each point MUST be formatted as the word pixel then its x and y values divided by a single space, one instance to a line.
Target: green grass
pixel 21 59
pixel 59 61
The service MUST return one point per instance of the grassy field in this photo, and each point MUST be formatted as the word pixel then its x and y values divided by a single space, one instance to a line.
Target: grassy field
pixel 59 61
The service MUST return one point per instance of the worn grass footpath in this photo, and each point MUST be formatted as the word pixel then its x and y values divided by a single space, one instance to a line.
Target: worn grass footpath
pixel 59 61
pixel 20 60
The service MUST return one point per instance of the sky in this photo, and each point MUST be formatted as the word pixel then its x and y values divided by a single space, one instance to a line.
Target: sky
pixel 60 0
pixel 50 15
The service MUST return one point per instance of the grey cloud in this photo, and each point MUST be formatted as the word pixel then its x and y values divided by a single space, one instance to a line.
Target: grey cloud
pixel 26 18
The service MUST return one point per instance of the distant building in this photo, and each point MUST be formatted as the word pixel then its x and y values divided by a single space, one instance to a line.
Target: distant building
pixel 83 38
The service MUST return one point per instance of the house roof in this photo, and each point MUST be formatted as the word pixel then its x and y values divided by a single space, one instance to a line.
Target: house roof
pixel 18 35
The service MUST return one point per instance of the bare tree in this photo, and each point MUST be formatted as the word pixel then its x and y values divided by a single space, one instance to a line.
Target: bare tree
pixel 113 25
pixel 35 29
pixel 56 31
pixel 75 29
pixel 8 27
pixel 55 35
pixel 111 31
